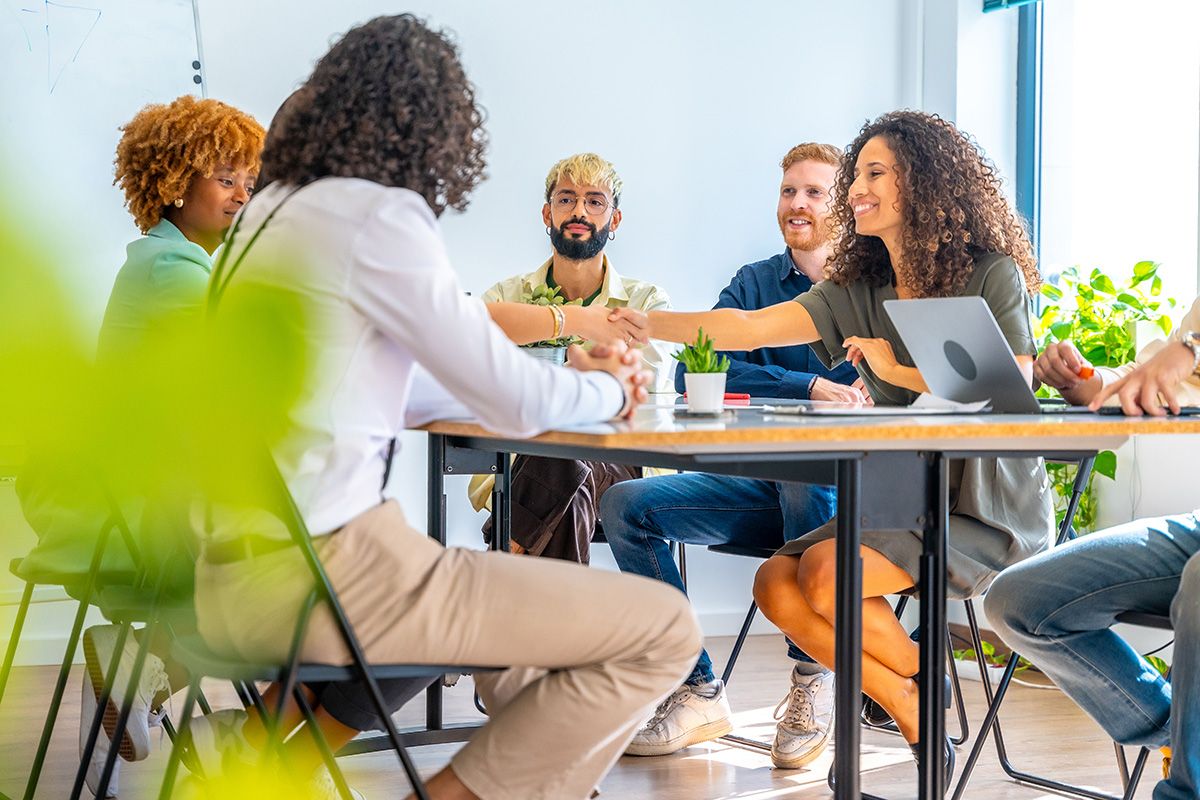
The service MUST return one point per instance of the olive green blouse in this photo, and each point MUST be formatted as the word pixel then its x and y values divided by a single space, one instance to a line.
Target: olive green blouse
pixel 1001 508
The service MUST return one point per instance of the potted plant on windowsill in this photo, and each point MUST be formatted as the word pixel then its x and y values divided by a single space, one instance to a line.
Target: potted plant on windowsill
pixel 705 376
pixel 1105 319
pixel 552 350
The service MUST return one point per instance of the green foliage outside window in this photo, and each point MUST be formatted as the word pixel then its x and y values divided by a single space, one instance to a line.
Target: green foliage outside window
pixel 1100 315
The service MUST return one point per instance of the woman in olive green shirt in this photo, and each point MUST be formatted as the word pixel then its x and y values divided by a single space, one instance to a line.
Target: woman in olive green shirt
pixel 918 212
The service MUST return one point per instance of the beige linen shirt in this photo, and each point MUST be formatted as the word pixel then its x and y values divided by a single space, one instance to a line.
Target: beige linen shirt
pixel 1188 391
pixel 616 291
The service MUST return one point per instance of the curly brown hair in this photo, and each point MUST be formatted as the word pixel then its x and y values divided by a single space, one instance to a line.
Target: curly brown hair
pixel 389 103
pixel 166 146
pixel 952 205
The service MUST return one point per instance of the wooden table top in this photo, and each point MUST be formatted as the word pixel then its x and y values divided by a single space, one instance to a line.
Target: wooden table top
pixel 657 427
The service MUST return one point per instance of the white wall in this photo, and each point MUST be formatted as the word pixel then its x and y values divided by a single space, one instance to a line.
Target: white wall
pixel 694 103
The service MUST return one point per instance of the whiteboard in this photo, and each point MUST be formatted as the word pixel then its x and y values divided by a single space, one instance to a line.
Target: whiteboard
pixel 70 74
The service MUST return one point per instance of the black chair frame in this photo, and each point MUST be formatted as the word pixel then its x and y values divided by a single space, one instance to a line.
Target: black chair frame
pixel 293 671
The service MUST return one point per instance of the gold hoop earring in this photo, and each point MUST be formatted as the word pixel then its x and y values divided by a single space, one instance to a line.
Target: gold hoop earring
pixel 179 202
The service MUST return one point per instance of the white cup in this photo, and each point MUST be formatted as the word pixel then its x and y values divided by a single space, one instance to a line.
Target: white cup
pixel 705 392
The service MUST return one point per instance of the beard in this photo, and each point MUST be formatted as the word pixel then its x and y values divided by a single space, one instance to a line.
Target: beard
pixel 817 235
pixel 579 249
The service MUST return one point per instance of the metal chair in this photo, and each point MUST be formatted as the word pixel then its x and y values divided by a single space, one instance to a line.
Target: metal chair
pixel 201 662
pixel 991 722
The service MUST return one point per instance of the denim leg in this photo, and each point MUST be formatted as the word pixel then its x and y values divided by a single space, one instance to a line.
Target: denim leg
pixel 1057 609
pixel 640 517
pixel 1184 781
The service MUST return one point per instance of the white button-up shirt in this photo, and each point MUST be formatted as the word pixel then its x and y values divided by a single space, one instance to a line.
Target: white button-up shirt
pixel 396 340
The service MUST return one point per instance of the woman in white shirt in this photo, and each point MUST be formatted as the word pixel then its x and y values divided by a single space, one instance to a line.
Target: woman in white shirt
pixel 384 136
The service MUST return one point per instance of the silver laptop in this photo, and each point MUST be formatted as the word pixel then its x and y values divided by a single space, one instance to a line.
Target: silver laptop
pixel 961 353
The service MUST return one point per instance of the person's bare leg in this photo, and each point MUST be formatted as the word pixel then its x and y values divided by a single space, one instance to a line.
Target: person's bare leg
pixel 255 729
pixel 301 752
pixel 446 786
pixel 779 596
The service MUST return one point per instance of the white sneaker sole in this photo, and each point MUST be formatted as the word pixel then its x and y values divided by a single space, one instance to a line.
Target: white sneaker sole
pixel 802 759
pixel 705 733
pixel 128 749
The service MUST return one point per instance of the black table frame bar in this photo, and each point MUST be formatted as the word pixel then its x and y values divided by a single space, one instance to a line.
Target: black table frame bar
pixel 904 490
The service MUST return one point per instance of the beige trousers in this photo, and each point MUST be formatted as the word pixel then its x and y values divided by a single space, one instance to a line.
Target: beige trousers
pixel 589 652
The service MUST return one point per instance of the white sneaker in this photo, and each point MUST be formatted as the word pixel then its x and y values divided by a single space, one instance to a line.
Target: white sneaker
pixel 87 712
pixel 805 720
pixel 692 714
pixel 323 787
pixel 216 743
pixel 98 644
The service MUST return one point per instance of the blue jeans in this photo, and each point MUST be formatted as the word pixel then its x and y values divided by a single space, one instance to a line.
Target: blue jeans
pixel 640 517
pixel 1058 609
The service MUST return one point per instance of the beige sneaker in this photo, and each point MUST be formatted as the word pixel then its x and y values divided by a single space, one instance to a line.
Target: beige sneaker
pixel 324 787
pixel 691 715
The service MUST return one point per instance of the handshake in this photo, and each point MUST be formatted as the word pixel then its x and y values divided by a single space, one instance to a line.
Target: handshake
pixel 615 332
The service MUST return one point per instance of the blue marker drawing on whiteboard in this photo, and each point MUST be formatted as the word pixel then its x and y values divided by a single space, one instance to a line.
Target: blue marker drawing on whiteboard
pixel 55 38
pixel 65 29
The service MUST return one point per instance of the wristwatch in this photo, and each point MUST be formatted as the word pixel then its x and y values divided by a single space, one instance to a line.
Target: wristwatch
pixel 1191 340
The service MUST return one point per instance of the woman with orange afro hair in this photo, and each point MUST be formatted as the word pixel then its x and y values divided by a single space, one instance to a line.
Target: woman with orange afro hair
pixel 186 167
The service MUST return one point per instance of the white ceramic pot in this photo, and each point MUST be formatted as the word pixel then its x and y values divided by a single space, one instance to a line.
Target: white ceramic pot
pixel 555 355
pixel 705 392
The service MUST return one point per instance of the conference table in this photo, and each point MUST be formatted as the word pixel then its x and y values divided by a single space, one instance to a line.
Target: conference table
pixel 891 472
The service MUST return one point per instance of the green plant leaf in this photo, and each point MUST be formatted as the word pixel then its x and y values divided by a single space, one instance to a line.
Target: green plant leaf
pixel 1051 292
pixel 1165 325
pixel 1156 286
pixel 1106 464
pixel 1144 269
pixel 1103 283
pixel 1062 330
pixel 1160 665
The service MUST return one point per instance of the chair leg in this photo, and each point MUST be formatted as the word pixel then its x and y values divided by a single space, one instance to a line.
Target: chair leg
pixel 339 780
pixel 737 645
pixel 18 625
pixel 60 687
pixel 185 723
pixel 683 564
pixel 1135 777
pixel 960 704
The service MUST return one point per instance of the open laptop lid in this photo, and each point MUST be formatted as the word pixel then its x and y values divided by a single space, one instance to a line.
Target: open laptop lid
pixel 961 352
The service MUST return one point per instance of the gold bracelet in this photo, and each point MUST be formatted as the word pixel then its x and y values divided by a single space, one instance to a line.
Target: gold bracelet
pixel 559 321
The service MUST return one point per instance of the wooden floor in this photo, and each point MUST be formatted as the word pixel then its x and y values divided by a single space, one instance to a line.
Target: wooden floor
pixel 1046 734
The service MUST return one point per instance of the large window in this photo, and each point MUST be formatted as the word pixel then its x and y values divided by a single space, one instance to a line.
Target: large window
pixel 1121 137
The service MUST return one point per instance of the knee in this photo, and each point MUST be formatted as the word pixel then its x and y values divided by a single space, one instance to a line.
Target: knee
pixel 1187 599
pixel 1006 613
pixel 817 578
pixel 619 510
pixel 775 578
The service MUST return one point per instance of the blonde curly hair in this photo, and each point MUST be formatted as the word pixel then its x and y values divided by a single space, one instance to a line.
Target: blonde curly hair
pixel 166 146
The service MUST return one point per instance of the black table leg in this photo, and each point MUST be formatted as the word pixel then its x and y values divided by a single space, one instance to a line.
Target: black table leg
pixel 502 504
pixel 848 652
pixel 932 775
pixel 437 530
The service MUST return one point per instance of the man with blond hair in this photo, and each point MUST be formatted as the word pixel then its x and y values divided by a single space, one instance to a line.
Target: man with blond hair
pixel 555 501
pixel 642 518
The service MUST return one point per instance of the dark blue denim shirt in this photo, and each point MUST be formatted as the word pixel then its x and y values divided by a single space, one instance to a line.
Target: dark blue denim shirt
pixel 771 371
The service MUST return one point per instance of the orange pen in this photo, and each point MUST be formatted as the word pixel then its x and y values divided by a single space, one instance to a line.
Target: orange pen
pixel 1086 372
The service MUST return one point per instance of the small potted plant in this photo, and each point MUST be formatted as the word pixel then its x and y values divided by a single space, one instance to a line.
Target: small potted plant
pixel 705 377
pixel 552 350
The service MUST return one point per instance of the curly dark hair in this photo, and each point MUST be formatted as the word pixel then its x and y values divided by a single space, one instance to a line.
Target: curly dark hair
pixel 389 103
pixel 952 206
